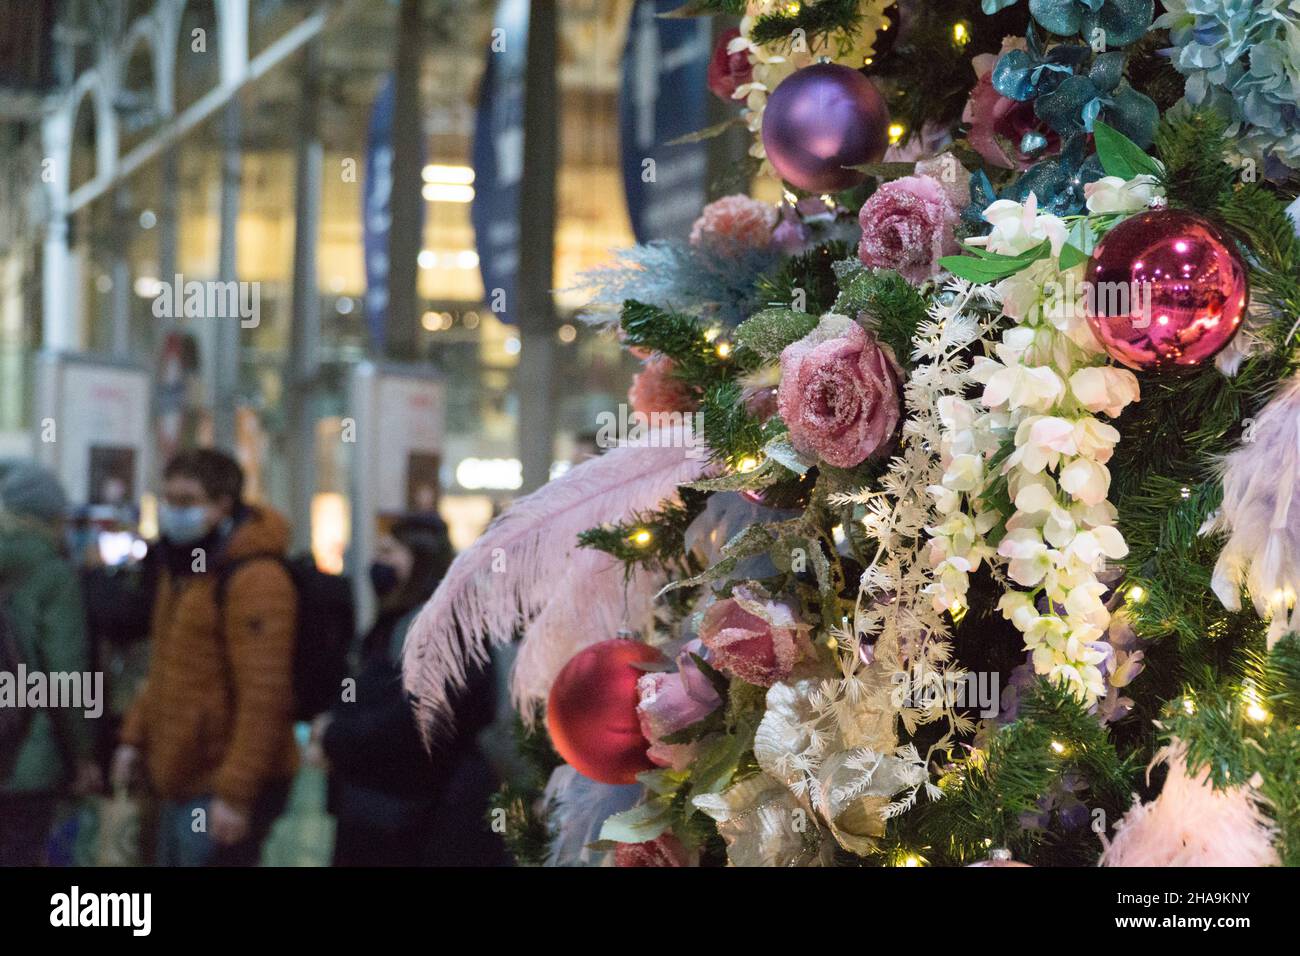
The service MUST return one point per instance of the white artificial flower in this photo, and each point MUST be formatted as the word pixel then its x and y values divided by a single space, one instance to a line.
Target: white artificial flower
pixel 1059 528
pixel 965 473
pixel 1105 388
pixel 1084 607
pixel 1093 547
pixel 1095 439
pixel 1029 557
pixel 1035 497
pixel 1018 608
pixel 946 500
pixel 1085 480
pixel 1113 194
pixel 1037 388
pixel 1018 227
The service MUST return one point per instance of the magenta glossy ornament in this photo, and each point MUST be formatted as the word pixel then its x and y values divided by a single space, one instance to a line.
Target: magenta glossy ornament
pixel 1165 289
pixel 999 856
pixel 821 119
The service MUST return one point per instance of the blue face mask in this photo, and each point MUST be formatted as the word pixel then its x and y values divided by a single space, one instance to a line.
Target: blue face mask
pixel 183 525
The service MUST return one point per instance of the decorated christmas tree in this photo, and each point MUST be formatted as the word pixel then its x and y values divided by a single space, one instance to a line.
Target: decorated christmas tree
pixel 952 521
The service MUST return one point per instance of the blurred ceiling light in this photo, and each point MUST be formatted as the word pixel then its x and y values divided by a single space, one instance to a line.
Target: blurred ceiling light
pixel 427 259
pixel 447 192
pixel 451 175
pixel 147 287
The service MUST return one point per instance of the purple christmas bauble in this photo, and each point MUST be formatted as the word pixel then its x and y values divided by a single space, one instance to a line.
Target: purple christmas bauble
pixel 821 119
pixel 1165 289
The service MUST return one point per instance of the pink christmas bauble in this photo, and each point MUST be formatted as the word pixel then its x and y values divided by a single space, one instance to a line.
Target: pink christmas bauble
pixel 998 857
pixel 591 712
pixel 821 119
pixel 1165 289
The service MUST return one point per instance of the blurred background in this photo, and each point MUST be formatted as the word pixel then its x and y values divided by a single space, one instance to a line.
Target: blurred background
pixel 207 139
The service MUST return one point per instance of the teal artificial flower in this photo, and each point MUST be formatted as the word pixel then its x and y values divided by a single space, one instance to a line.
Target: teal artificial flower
pixel 1121 21
pixel 1070 100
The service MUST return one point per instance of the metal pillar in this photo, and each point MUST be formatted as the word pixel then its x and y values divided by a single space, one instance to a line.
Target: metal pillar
pixel 303 371
pixel 536 310
pixel 120 273
pixel 224 334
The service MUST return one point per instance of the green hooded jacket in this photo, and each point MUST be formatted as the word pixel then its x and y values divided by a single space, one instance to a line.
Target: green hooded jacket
pixel 41 599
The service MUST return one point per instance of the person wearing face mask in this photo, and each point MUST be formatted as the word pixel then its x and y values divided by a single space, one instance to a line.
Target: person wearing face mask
pixel 212 727
pixel 397 805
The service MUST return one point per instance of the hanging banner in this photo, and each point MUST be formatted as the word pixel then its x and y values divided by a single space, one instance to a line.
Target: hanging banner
pixel 664 95
pixel 498 157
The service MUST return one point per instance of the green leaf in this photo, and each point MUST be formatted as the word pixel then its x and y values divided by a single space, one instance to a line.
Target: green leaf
pixel 707 133
pixel 993 266
pixel 1120 156
pixel 1071 256
pixel 770 331
pixel 782 452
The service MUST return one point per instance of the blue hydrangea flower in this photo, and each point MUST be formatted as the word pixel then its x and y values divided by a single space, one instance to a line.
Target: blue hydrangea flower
pixel 1241 58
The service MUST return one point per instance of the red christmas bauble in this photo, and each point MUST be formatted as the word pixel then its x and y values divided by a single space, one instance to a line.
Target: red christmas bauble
pixel 821 119
pixel 591 712
pixel 1165 288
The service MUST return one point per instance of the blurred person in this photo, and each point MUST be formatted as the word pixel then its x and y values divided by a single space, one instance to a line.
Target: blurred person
pixel 212 727
pixel 50 751
pixel 395 804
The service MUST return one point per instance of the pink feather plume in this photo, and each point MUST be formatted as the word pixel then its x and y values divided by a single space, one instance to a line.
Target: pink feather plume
pixel 1192 824
pixel 527 573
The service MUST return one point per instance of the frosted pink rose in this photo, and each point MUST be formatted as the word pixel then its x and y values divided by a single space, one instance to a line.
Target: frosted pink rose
pixel 656 389
pixel 670 702
pixel 839 393
pixel 663 850
pixel 907 225
pixel 998 124
pixel 734 224
pixel 728 70
pixel 752 638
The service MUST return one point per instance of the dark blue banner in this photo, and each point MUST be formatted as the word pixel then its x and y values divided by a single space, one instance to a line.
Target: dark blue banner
pixel 664 96
pixel 498 157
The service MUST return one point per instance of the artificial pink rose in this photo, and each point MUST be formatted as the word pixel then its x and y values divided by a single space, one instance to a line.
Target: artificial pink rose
pixel 950 174
pixel 907 226
pixel 998 124
pixel 656 389
pixel 733 225
pixel 839 393
pixel 727 71
pixel 670 702
pixel 663 850
pixel 753 638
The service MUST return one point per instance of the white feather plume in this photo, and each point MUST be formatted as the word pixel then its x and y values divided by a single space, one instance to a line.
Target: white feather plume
pixel 1192 824
pixel 1262 550
pixel 529 559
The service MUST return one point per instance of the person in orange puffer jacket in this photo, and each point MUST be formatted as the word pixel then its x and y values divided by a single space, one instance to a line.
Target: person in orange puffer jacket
pixel 213 723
